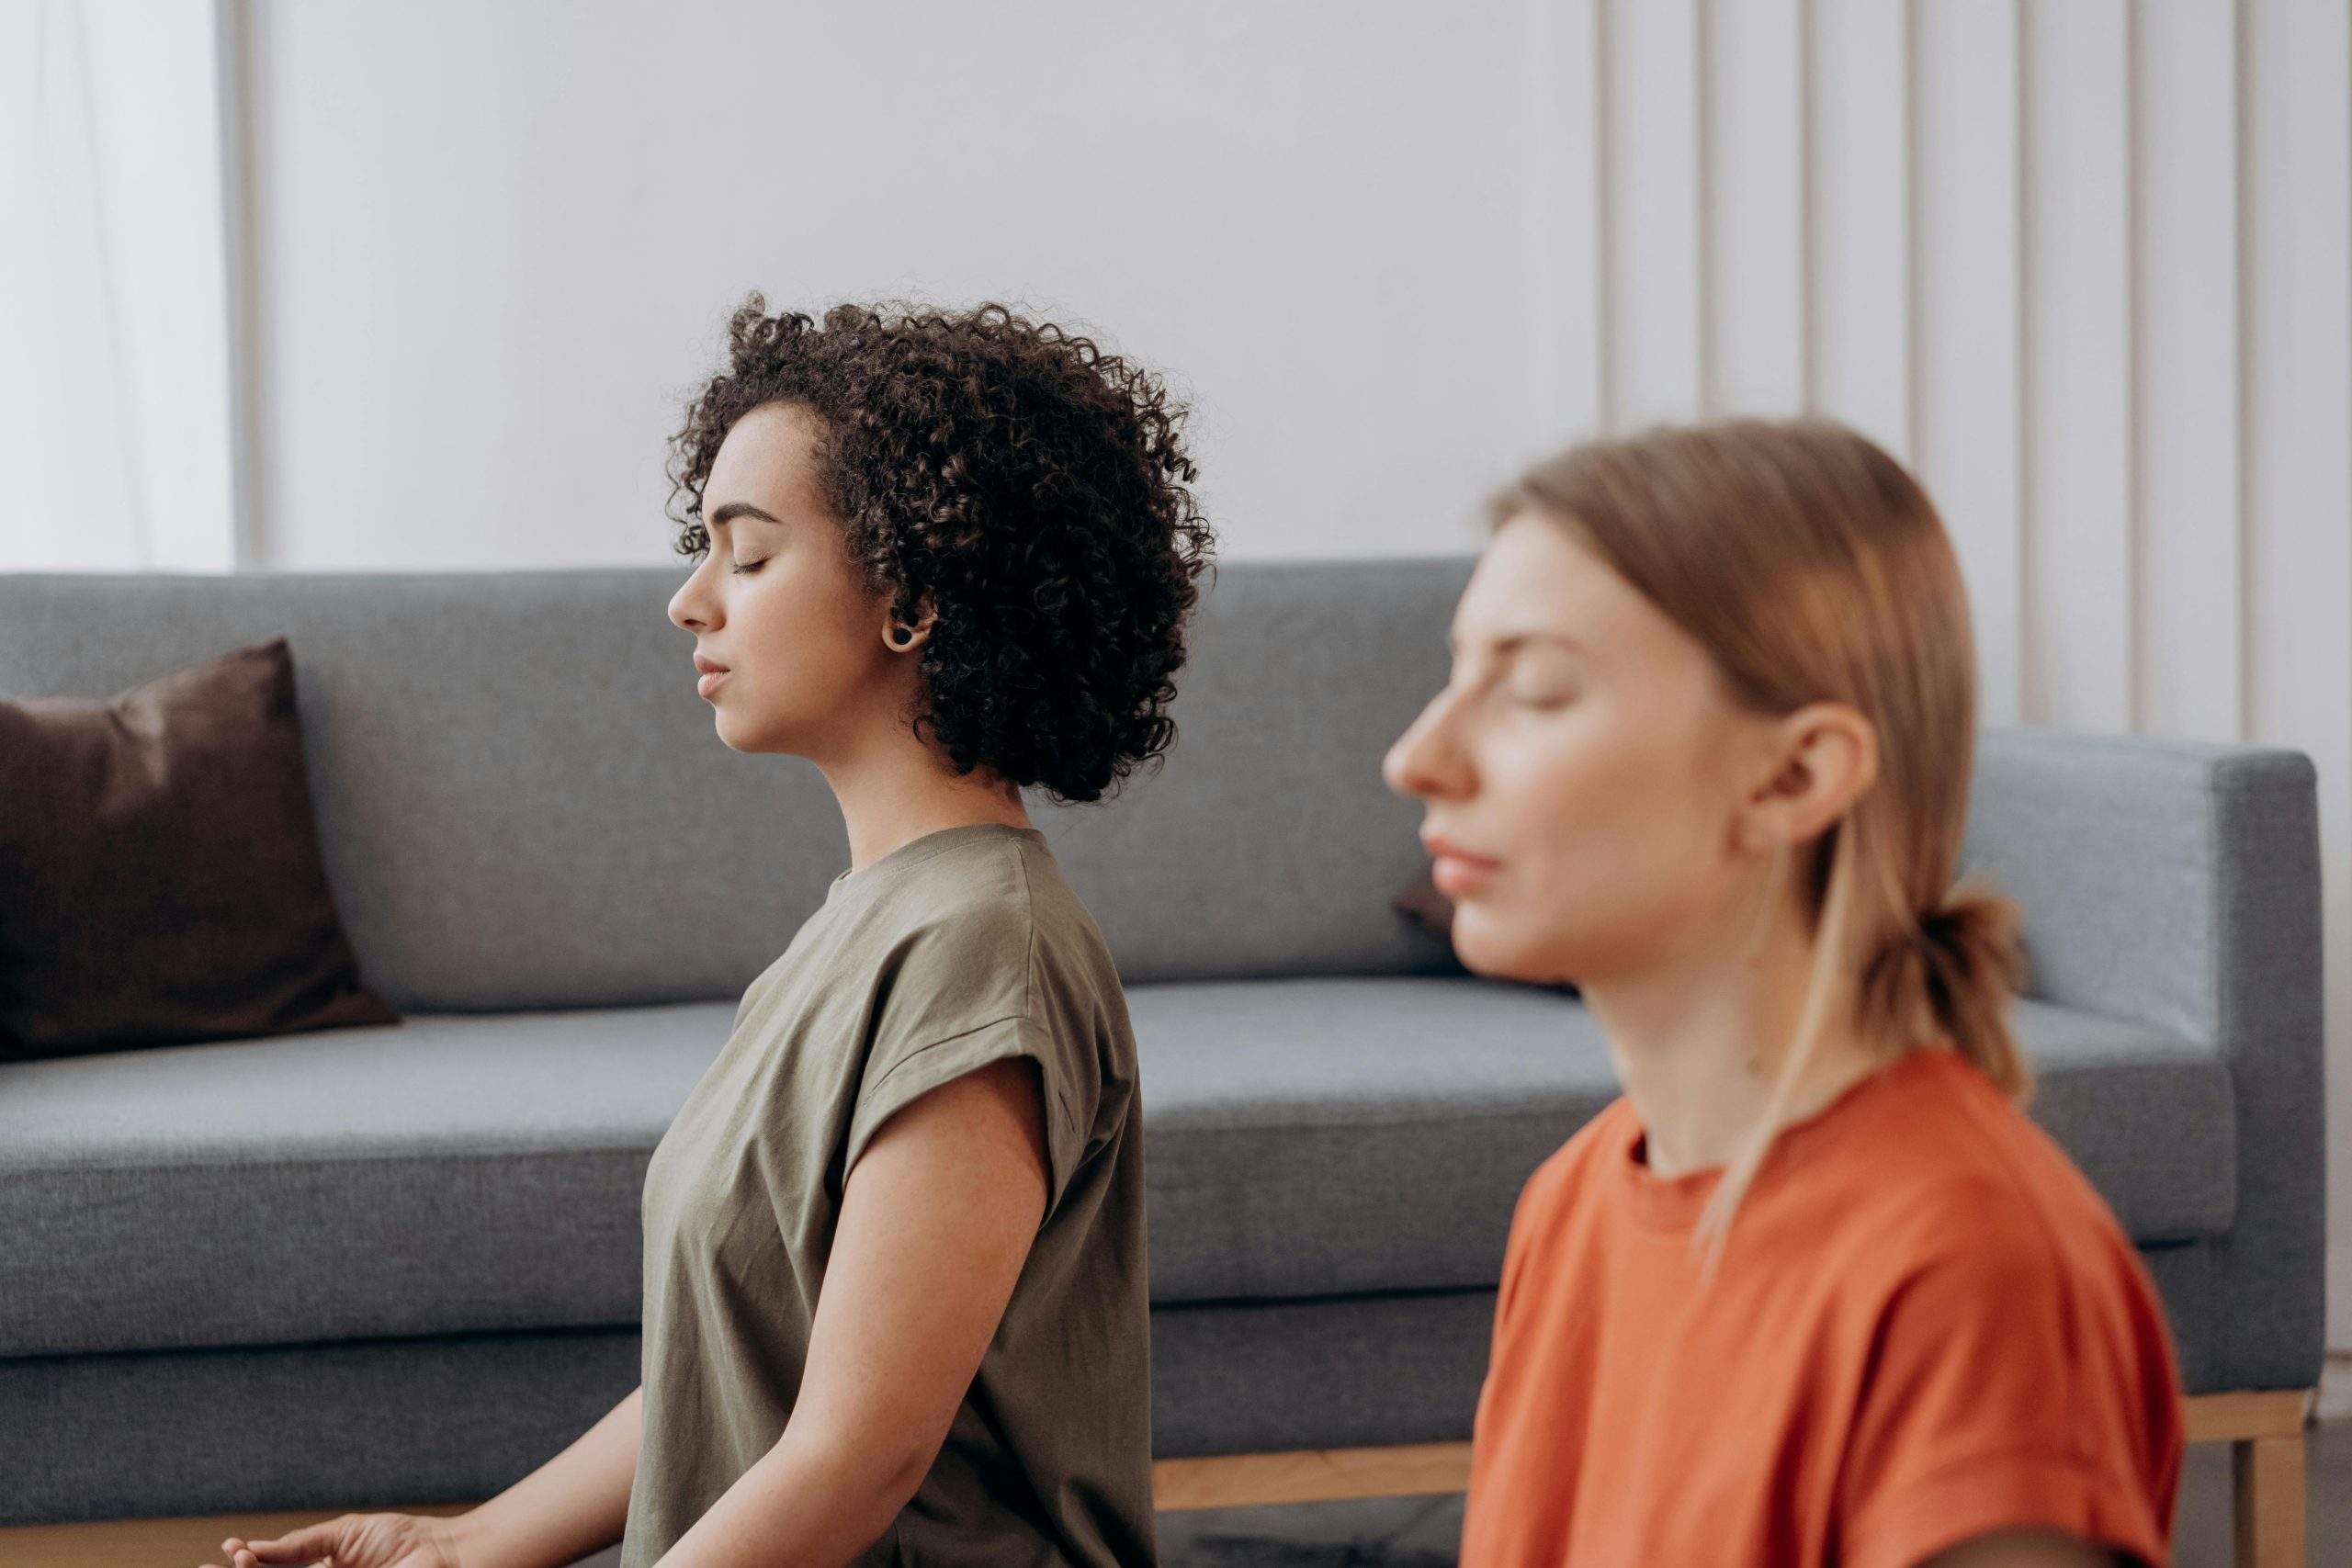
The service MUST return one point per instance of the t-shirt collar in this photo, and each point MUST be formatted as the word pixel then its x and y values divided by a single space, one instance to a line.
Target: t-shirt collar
pixel 922 848
pixel 1675 1203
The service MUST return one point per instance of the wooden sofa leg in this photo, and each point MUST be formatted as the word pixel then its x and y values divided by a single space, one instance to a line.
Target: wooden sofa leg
pixel 2265 1430
pixel 2268 1477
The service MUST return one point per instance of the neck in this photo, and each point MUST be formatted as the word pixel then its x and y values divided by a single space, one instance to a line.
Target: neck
pixel 1698 1041
pixel 893 789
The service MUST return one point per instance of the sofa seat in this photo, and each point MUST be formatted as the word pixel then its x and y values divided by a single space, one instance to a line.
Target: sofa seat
pixel 1319 1136
pixel 1305 1137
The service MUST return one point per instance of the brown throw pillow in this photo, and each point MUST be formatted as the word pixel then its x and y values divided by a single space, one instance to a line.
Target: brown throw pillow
pixel 160 876
pixel 1434 912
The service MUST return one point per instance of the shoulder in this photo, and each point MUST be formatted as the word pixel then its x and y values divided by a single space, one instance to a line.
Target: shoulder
pixel 943 949
pixel 989 934
pixel 1568 1175
pixel 1959 1175
pixel 995 898
pixel 1073 977
pixel 2010 1359
pixel 1551 1214
pixel 966 911
pixel 1972 1225
pixel 1972 1249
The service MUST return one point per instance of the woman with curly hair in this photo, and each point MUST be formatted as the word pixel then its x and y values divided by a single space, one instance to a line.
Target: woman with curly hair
pixel 896 1306
pixel 1815 1289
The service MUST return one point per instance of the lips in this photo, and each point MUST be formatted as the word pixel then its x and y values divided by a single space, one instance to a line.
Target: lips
pixel 708 666
pixel 1442 847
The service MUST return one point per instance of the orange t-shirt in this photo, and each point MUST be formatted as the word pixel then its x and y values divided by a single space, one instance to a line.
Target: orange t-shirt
pixel 1925 1326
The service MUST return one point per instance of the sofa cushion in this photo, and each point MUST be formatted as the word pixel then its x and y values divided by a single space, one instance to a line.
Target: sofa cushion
pixel 160 877
pixel 461 1171
pixel 473 1172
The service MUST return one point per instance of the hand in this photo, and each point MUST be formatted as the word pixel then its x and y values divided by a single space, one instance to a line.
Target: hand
pixel 354 1540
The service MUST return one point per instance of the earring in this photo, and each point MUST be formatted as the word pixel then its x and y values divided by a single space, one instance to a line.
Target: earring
pixel 902 636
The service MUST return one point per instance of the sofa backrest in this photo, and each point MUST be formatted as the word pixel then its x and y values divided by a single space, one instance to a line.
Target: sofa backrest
pixel 522 802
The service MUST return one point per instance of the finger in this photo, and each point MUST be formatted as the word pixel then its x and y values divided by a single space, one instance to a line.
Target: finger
pixel 296 1546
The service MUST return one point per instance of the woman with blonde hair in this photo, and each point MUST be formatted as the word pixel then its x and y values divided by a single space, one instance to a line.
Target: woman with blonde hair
pixel 1813 1289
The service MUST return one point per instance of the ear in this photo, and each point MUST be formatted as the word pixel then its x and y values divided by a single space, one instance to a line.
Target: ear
pixel 1819 761
pixel 921 626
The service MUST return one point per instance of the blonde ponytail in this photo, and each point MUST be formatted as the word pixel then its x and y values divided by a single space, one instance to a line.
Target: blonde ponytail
pixel 1957 967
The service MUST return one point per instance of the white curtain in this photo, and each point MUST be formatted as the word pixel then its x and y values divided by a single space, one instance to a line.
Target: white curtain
pixel 116 407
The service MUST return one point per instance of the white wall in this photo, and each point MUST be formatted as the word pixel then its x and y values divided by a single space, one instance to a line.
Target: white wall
pixel 496 243
pixel 115 419
pixel 2087 264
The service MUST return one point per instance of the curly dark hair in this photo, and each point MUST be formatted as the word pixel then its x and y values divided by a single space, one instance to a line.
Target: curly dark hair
pixel 1031 487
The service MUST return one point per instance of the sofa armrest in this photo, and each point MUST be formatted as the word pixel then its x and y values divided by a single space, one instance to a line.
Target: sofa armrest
pixel 2173 882
pixel 2177 883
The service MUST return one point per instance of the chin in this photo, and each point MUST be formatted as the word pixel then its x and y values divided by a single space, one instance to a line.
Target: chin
pixel 1495 955
pixel 744 738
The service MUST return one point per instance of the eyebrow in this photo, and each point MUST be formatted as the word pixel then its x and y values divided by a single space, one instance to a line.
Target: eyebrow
pixel 1505 643
pixel 734 509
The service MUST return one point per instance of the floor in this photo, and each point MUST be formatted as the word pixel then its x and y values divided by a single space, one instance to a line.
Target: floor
pixel 1422 1532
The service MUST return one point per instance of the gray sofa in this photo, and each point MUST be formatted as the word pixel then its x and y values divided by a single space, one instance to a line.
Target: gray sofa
pixel 401 1265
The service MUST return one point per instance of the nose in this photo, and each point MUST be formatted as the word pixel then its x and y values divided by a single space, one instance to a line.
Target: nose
pixel 1426 760
pixel 688 610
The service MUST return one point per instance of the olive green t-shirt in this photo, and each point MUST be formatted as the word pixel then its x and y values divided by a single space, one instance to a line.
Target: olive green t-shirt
pixel 960 948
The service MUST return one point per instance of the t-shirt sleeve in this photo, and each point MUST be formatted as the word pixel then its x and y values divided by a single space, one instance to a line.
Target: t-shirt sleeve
pixel 900 1071
pixel 2011 1383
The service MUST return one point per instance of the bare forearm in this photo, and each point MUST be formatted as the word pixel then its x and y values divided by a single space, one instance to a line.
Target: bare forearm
pixel 575 1504
pixel 809 1502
